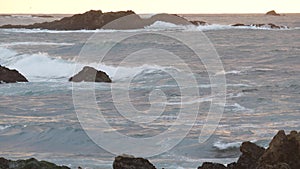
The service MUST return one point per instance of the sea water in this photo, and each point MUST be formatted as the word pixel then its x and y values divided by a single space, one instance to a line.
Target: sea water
pixel 261 66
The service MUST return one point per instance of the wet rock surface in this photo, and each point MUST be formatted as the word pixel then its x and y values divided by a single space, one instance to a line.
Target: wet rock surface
pixel 90 74
pixel 10 76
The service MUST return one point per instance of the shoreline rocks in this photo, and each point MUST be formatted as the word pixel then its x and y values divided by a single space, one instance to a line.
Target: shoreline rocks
pixel 283 153
pixel 28 164
pixel 90 74
pixel 130 162
pixel 10 76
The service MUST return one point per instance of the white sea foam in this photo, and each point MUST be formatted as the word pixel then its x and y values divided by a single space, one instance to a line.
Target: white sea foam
pixel 42 67
pixel 223 146
pixel 3 127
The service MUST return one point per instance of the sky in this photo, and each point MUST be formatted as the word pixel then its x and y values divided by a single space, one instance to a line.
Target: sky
pixel 149 6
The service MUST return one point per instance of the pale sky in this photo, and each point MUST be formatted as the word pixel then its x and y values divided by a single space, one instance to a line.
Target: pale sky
pixel 150 6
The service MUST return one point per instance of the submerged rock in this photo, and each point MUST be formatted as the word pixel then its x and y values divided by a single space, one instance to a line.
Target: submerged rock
pixel 130 162
pixel 273 13
pixel 90 74
pixel 28 164
pixel 10 76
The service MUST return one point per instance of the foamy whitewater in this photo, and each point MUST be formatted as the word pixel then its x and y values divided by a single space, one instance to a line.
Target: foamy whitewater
pixel 38 119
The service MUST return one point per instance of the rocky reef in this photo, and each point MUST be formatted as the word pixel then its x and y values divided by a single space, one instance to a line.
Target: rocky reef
pixel 96 19
pixel 93 19
pixel 10 76
pixel 90 74
pixel 269 25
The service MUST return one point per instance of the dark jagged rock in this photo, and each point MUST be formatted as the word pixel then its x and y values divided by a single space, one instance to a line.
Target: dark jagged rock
pixel 250 155
pixel 130 162
pixel 283 153
pixel 273 13
pixel 284 150
pixel 198 23
pixel 90 20
pixel 209 165
pixel 90 74
pixel 10 76
pixel 28 164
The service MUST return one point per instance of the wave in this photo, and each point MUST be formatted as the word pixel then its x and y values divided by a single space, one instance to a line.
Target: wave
pixel 41 67
pixel 228 146
pixel 34 44
pixel 156 26
pixel 225 146
pixel 3 127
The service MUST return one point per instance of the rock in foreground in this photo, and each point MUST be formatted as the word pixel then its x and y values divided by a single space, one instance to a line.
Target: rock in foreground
pixel 283 153
pixel 130 162
pixel 90 74
pixel 273 13
pixel 10 76
pixel 28 164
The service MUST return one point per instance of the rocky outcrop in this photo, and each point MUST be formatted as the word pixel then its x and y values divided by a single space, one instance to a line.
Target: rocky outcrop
pixel 90 74
pixel 90 20
pixel 269 25
pixel 273 13
pixel 28 164
pixel 130 162
pixel 284 150
pixel 283 153
pixel 93 19
pixel 10 76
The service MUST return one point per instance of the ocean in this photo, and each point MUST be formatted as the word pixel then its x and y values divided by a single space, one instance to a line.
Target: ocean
pixel 43 119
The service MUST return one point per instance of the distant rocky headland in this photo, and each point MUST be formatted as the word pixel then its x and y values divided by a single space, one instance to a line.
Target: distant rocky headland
pixel 283 153
pixel 121 20
pixel 273 13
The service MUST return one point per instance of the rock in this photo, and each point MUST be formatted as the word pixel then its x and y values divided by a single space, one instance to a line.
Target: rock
pixel 93 19
pixel 89 20
pixel 249 90
pixel 10 76
pixel 284 151
pixel 198 23
pixel 239 24
pixel 90 74
pixel 209 165
pixel 250 155
pixel 273 13
pixel 28 164
pixel 130 162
